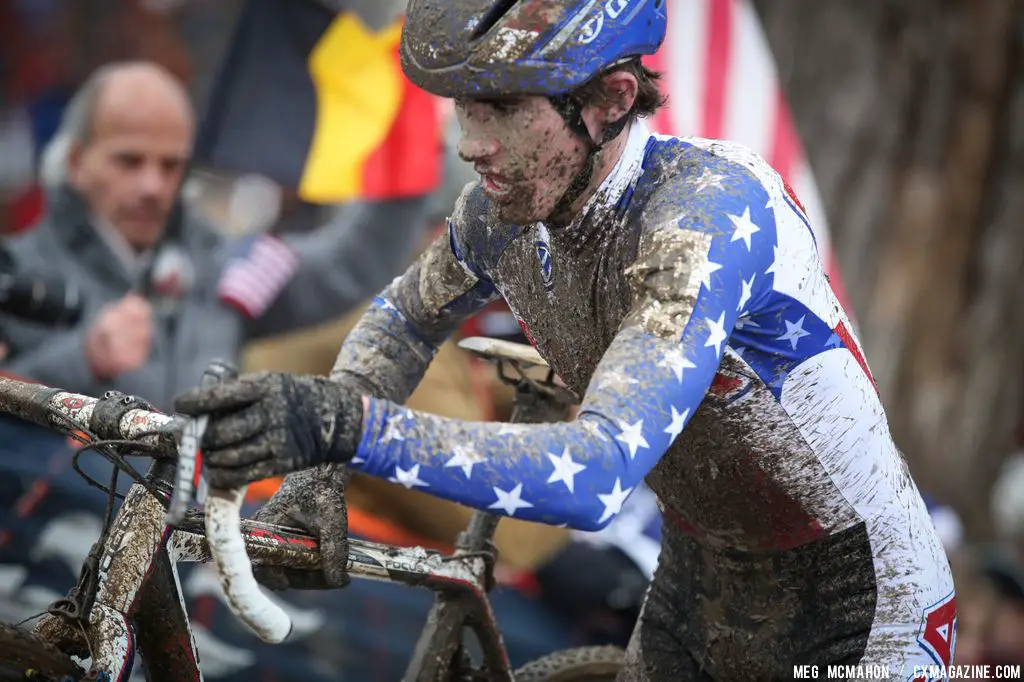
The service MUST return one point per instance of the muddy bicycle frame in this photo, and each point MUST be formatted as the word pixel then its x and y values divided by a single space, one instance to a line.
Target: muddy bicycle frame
pixel 138 604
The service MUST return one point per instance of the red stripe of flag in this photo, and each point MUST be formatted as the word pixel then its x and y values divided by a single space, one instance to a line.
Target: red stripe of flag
pixel 716 68
pixel 253 281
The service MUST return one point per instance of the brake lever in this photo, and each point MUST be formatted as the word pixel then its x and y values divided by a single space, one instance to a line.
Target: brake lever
pixel 189 484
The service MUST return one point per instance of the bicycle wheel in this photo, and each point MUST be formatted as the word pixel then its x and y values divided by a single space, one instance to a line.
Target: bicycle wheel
pixel 586 664
pixel 25 657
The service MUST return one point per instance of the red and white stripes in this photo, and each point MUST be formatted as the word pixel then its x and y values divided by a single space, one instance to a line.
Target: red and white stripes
pixel 722 83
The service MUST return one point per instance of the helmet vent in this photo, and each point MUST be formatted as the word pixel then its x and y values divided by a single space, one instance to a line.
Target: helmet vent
pixel 491 17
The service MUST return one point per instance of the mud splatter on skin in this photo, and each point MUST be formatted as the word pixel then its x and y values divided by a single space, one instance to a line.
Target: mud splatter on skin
pixel 525 145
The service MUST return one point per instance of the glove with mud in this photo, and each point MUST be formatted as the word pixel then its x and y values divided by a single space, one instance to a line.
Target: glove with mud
pixel 312 500
pixel 269 424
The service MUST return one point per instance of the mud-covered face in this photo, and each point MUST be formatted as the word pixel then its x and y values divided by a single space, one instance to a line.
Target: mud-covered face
pixel 524 151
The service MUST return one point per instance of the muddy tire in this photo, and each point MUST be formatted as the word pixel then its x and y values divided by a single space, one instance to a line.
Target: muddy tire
pixel 586 664
pixel 26 658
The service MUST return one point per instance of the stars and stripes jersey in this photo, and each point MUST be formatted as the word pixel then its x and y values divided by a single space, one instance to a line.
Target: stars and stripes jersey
pixel 688 305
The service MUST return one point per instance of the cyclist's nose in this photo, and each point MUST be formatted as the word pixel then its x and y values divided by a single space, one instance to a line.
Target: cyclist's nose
pixel 476 147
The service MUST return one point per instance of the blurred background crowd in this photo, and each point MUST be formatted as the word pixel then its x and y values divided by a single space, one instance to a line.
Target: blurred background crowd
pixel 297 172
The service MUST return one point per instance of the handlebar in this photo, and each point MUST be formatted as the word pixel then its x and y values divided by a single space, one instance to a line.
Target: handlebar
pixel 224 528
pixel 69 413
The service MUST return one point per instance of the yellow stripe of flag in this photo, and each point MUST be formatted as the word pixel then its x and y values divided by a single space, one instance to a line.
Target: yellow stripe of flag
pixel 358 93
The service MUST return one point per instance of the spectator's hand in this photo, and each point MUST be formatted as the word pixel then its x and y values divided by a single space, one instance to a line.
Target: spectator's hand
pixel 120 338
pixel 312 500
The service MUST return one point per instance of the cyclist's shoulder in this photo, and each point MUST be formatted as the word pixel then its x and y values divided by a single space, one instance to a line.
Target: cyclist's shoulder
pixel 691 182
pixel 478 236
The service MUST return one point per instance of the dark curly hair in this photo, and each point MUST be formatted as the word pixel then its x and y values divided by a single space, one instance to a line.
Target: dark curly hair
pixel 649 97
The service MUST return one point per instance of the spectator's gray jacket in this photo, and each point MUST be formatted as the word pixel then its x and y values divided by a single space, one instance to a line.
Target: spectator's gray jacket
pixel 340 265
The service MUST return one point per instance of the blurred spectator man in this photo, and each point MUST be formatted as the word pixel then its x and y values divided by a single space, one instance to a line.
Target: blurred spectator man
pixel 165 292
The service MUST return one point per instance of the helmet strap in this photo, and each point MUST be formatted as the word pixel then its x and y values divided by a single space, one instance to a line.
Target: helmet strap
pixel 571 110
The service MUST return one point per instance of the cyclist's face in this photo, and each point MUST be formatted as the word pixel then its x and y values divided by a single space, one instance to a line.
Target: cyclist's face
pixel 524 151
pixel 130 167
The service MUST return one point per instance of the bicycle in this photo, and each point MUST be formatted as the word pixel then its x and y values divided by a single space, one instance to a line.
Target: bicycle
pixel 128 597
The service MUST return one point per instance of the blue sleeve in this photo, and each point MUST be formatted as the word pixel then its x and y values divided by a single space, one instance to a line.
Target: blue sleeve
pixel 701 264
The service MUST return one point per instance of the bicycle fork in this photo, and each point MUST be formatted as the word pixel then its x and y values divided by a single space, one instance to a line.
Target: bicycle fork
pixel 135 563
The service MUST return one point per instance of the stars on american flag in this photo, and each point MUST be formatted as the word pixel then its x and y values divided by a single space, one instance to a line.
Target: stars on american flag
pixel 775 261
pixel 794 331
pixel 393 430
pixel 745 291
pixel 716 334
pixel 744 227
pixel 675 427
pixel 707 180
pixel 565 469
pixel 613 500
pixel 633 436
pixel 464 457
pixel 510 501
pixel 708 268
pixel 410 478
pixel 677 362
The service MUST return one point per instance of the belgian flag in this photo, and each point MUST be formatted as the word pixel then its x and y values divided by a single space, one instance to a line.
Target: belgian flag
pixel 316 100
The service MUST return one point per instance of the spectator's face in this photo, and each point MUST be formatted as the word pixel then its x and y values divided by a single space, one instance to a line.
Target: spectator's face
pixel 131 167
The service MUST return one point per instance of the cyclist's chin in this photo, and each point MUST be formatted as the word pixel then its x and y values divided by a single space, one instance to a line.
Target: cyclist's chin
pixel 520 207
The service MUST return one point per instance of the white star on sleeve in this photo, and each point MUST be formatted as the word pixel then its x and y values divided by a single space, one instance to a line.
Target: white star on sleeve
pixel 709 267
pixel 744 227
pixel 565 469
pixel 632 435
pixel 794 332
pixel 613 501
pixel 409 478
pixel 678 362
pixel 392 430
pixel 744 321
pixel 745 292
pixel 387 304
pixel 510 501
pixel 464 458
pixel 707 180
pixel 676 427
pixel 717 334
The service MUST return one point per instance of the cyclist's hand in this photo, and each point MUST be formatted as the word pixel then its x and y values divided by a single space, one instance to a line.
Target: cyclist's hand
pixel 269 424
pixel 312 500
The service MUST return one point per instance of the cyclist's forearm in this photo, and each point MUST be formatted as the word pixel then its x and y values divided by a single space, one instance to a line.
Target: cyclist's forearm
pixel 382 354
pixel 389 350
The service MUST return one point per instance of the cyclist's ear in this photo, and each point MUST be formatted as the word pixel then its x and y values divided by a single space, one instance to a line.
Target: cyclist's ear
pixel 620 89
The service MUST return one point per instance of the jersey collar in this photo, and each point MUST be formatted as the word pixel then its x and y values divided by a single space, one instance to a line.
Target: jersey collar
pixel 593 217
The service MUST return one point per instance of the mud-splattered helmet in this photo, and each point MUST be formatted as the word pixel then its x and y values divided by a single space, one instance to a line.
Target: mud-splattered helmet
pixel 502 48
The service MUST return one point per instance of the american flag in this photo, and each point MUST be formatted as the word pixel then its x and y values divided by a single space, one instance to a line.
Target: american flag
pixel 722 82
pixel 258 268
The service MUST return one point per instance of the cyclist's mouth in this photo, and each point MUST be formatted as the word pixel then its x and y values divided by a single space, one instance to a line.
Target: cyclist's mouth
pixel 495 187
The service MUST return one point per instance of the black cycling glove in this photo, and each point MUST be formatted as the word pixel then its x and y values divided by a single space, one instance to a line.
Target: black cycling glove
pixel 269 424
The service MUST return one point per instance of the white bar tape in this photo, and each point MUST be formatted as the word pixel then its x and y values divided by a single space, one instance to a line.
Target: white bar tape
pixel 246 601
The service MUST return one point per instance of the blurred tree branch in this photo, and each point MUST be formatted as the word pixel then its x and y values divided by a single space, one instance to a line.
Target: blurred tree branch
pixel 912 112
